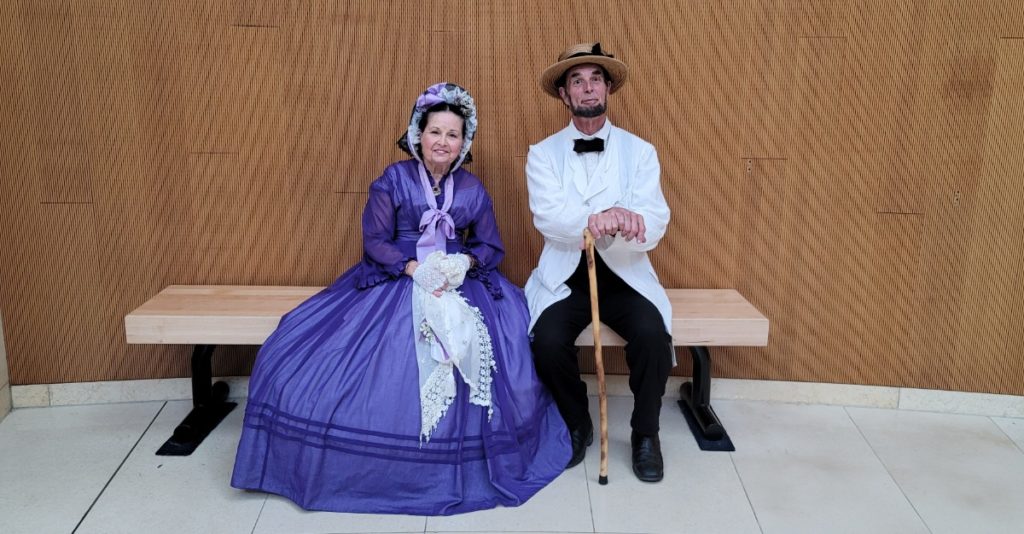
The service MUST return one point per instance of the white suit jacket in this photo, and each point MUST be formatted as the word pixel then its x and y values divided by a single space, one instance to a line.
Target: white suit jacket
pixel 562 199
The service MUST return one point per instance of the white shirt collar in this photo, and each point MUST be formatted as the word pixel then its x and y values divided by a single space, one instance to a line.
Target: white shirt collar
pixel 602 133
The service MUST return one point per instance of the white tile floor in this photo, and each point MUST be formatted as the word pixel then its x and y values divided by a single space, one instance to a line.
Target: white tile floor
pixel 797 468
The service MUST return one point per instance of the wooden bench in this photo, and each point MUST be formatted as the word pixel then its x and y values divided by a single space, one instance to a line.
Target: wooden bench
pixel 207 316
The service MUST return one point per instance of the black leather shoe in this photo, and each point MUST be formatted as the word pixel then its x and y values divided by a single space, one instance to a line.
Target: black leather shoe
pixel 581 436
pixel 648 465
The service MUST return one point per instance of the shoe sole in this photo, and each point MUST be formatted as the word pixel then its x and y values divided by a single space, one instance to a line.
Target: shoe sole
pixel 648 479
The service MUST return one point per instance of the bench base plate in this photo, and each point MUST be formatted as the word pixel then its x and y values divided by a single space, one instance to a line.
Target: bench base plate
pixel 695 402
pixel 722 443
pixel 209 407
pixel 193 430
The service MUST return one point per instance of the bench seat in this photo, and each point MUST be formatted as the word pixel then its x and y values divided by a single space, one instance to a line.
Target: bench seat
pixel 209 315
pixel 247 315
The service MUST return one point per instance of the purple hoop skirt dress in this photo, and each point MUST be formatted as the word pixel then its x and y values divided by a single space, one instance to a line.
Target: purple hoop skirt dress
pixel 333 416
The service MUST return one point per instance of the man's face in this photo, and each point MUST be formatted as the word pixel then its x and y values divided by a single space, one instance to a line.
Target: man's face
pixel 585 91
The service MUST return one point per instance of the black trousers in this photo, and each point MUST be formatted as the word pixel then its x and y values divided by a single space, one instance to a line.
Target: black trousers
pixel 648 346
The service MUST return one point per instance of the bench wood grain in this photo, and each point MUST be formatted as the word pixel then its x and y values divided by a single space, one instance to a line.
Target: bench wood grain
pixel 247 315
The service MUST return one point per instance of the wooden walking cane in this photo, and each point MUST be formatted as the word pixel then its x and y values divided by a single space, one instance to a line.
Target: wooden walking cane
pixel 595 317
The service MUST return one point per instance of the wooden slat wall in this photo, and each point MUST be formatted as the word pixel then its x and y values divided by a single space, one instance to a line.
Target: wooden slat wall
pixel 852 167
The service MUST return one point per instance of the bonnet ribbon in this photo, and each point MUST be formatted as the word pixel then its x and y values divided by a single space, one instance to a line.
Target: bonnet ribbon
pixel 434 220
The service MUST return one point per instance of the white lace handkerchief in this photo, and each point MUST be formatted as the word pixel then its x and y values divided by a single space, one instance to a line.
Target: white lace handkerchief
pixel 450 334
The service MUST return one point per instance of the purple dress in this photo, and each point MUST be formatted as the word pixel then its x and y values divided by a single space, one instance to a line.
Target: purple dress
pixel 333 416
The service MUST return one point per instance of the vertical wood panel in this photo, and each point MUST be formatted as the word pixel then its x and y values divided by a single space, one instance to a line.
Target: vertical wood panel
pixel 59 130
pixel 109 107
pixel 995 256
pixel 19 191
pixel 522 242
pixel 266 156
pixel 888 36
pixel 222 125
pixel 143 212
pixel 222 212
pixel 695 75
pixel 63 281
pixel 955 84
pixel 811 198
pixel 327 236
pixel 329 62
pixel 767 79
pixel 901 287
pixel 219 75
pixel 759 251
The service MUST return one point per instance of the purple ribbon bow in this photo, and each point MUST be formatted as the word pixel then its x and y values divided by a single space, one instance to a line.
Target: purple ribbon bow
pixel 428 99
pixel 435 219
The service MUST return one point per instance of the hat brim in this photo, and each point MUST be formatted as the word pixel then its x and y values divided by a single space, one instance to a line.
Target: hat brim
pixel 616 69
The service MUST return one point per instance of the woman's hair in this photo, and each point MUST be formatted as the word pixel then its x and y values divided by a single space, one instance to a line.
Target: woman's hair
pixel 443 106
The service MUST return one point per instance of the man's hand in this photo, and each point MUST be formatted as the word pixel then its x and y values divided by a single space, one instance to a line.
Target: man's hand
pixel 618 221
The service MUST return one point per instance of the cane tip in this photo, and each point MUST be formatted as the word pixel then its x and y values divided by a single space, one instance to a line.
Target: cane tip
pixel 602 480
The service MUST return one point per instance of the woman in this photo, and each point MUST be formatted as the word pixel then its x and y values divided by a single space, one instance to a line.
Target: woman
pixel 407 385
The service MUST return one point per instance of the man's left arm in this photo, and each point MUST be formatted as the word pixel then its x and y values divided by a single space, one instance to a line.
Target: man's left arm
pixel 645 198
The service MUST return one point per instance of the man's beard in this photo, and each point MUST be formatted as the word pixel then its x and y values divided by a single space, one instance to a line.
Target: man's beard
pixel 589 112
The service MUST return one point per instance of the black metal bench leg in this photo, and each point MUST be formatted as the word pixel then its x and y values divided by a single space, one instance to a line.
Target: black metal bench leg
pixel 695 402
pixel 209 407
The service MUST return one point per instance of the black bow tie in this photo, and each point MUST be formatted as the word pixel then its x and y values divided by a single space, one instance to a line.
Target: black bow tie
pixel 588 145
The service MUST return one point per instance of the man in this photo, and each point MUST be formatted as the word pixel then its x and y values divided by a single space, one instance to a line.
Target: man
pixel 594 175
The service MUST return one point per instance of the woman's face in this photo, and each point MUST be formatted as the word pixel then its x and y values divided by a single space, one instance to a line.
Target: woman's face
pixel 441 140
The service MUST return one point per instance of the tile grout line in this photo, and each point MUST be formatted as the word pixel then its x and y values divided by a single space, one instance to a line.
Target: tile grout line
pixel 119 466
pixel 886 467
pixel 746 494
pixel 590 498
pixel 260 514
pixel 1000 427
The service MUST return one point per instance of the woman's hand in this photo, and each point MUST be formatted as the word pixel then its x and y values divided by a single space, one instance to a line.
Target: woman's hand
pixel 428 276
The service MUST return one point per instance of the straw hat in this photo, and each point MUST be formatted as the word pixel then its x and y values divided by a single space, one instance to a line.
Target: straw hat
pixel 577 55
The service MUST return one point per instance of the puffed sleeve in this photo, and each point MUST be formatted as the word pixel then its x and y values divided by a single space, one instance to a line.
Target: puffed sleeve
pixel 484 244
pixel 382 259
pixel 484 241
